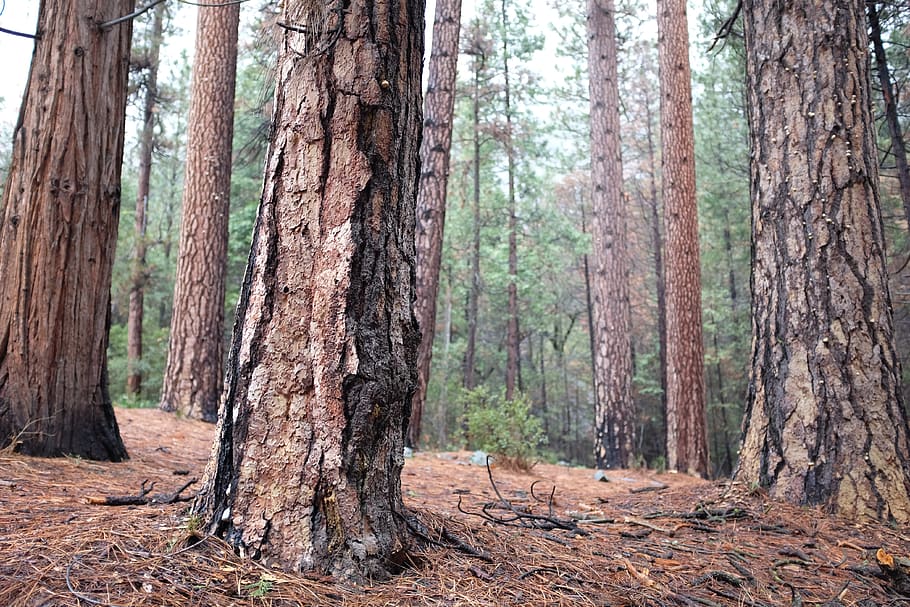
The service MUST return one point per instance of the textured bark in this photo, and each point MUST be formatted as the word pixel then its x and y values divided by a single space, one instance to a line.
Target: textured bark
pixel 824 421
pixel 139 273
pixel 322 367
pixel 195 359
pixel 614 425
pixel 59 216
pixel 513 337
pixel 891 116
pixel 687 438
pixel 431 196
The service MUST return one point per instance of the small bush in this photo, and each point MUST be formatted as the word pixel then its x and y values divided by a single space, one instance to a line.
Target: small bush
pixel 504 428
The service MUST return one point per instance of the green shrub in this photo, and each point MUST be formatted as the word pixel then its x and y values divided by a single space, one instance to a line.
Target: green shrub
pixel 504 428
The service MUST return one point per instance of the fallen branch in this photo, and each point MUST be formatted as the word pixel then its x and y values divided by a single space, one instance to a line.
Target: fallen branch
pixel 514 517
pixel 452 541
pixel 143 498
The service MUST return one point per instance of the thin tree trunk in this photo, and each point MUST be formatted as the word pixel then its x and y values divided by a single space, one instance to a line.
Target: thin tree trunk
pixel 824 420
pixel 513 337
pixel 589 310
pixel 194 372
pixel 322 369
pixel 474 293
pixel 615 413
pixel 659 275
pixel 139 276
pixel 687 437
pixel 431 195
pixel 59 213
pixel 891 116
pixel 544 405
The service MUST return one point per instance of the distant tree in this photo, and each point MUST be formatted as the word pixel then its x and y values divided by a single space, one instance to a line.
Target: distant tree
pixel 687 439
pixel 513 335
pixel 824 420
pixel 322 366
pixel 148 65
pixel 431 196
pixel 193 377
pixel 889 96
pixel 60 209
pixel 615 411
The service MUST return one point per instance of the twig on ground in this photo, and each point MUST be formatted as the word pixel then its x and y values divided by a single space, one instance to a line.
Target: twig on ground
pixel 142 498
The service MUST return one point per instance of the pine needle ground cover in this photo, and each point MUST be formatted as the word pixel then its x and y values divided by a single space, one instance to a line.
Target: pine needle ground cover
pixel 553 536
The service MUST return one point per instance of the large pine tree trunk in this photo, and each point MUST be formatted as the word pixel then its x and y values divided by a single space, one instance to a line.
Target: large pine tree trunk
pixel 824 422
pixel 139 275
pixel 322 367
pixel 687 438
pixel 615 413
pixel 59 216
pixel 193 376
pixel 431 196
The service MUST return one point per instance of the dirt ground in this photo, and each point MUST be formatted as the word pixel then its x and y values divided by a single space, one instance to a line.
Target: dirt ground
pixel 555 536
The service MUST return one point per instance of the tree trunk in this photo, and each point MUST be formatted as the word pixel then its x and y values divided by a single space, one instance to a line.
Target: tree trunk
pixel 615 414
pixel 891 116
pixel 659 274
pixel 194 372
pixel 322 367
pixel 60 210
pixel 513 337
pixel 474 292
pixel 824 421
pixel 431 195
pixel 140 267
pixel 589 310
pixel 687 438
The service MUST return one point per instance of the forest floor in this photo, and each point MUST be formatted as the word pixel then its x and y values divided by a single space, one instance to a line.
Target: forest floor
pixel 638 539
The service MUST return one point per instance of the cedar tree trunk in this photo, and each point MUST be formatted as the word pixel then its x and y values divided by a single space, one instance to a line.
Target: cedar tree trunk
pixel 59 215
pixel 614 424
pixel 194 372
pixel 322 368
pixel 431 196
pixel 824 423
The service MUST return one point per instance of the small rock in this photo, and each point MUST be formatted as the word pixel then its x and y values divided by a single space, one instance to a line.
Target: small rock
pixel 408 452
pixel 479 458
pixel 601 476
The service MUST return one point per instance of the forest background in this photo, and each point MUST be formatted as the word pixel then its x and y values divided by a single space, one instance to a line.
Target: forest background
pixel 550 94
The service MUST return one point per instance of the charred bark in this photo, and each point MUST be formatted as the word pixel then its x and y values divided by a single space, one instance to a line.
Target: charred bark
pixel 59 215
pixel 824 421
pixel 322 365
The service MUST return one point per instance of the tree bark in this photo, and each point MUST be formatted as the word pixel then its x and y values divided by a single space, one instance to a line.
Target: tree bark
pixel 824 422
pixel 687 438
pixel 59 215
pixel 615 414
pixel 140 266
pixel 513 338
pixel 431 195
pixel 195 360
pixel 891 116
pixel 322 367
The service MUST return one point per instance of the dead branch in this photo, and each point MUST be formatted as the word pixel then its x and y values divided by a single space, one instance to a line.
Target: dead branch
pixel 515 517
pixel 452 541
pixel 143 498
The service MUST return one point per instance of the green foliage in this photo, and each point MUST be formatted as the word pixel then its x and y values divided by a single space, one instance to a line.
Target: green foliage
pixel 261 587
pixel 505 428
